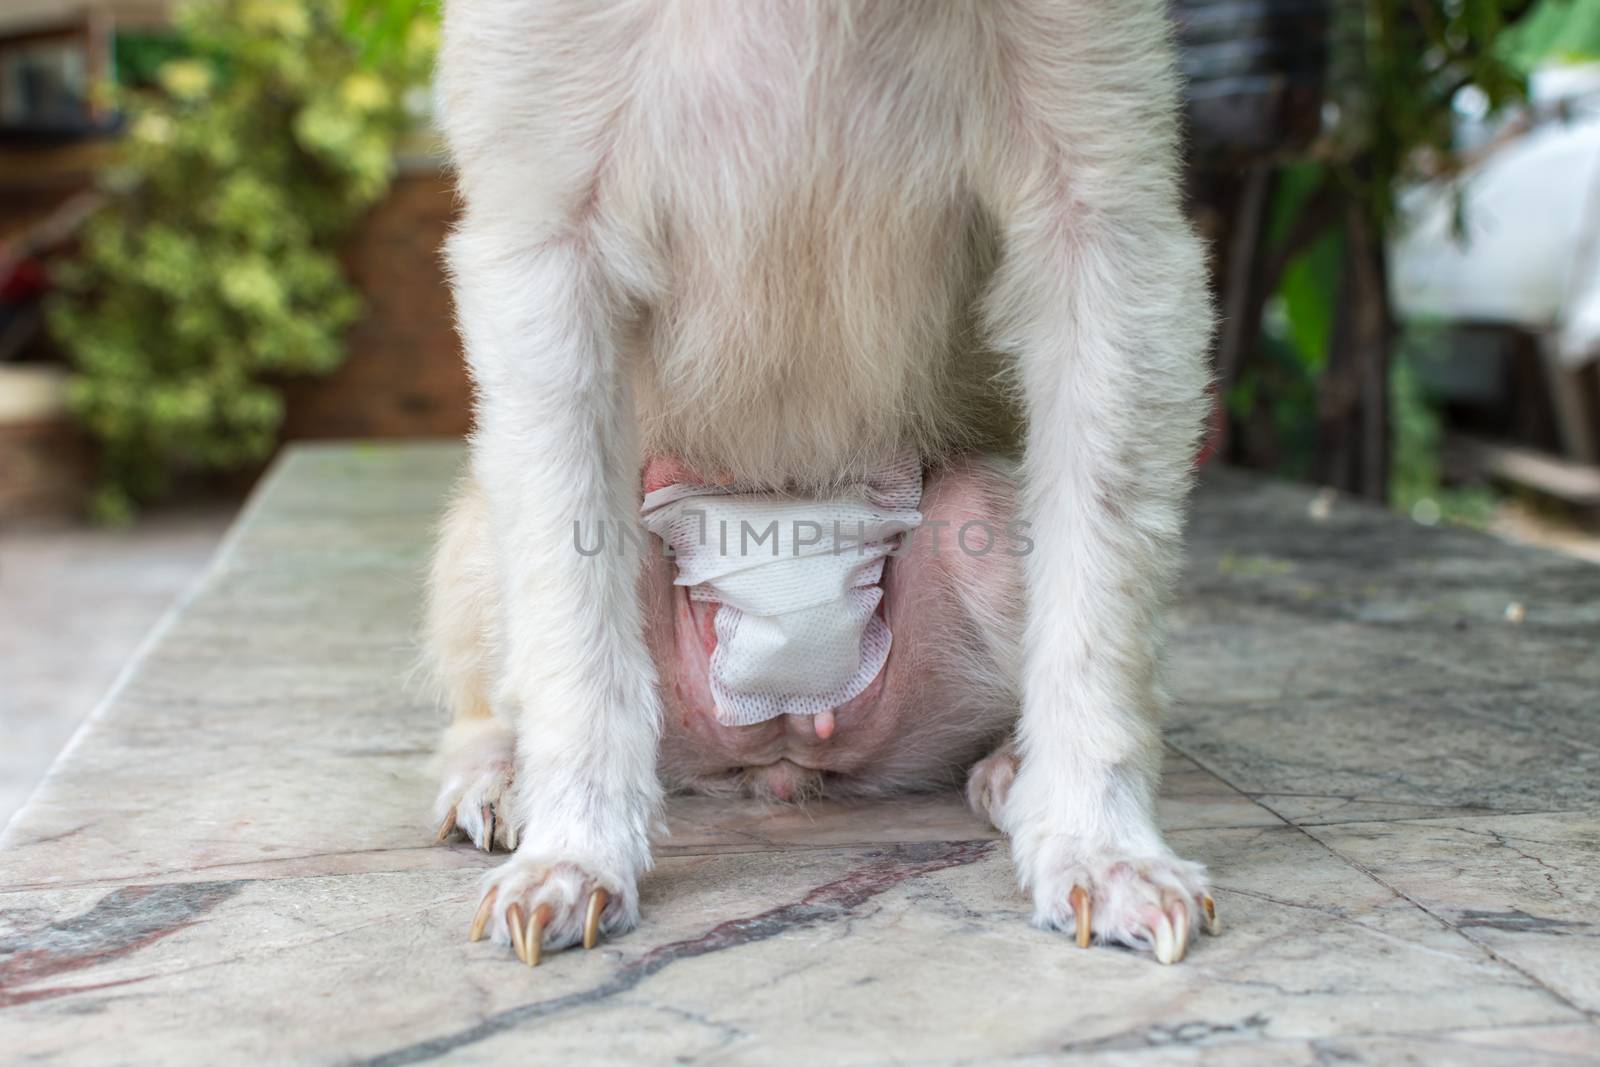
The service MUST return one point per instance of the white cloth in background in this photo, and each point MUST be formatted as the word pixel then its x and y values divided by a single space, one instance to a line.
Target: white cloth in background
pixel 1530 255
pixel 798 630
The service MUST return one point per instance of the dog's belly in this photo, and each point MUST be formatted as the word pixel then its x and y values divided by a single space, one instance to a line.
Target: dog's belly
pixel 942 700
pixel 815 261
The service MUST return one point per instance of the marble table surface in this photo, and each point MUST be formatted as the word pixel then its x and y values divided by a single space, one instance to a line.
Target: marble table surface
pixel 1394 780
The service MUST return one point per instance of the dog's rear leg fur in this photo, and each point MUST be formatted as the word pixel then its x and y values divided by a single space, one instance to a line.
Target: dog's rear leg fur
pixel 477 752
pixel 1101 300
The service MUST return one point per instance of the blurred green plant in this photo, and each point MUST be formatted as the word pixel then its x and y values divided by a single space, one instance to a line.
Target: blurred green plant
pixel 213 269
pixel 1566 31
pixel 1398 67
pixel 387 30
pixel 1417 483
pixel 137 57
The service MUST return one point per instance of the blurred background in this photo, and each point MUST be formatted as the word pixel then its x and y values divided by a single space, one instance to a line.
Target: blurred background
pixel 220 223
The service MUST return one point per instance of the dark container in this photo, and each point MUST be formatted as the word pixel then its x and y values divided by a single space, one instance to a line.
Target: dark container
pixel 1256 72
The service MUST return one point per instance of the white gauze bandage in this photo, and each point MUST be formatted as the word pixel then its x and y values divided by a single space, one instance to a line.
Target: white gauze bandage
pixel 797 581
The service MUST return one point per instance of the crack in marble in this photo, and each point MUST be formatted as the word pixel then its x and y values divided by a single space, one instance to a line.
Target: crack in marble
pixel 1503 840
pixel 1357 798
pixel 1165 1035
pixel 48 838
pixel 1261 799
pixel 260 948
pixel 826 903
pixel 1447 820
pixel 1515 920
pixel 1212 771
pixel 726 1033
pixel 1347 920
pixel 1327 1050
pixel 1443 920
pixel 119 924
pixel 142 876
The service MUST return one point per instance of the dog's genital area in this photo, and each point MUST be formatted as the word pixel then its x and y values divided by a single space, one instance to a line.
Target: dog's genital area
pixel 1385 745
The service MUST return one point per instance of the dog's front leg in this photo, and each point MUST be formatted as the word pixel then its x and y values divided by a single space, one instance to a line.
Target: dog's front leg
pixel 1101 298
pixel 555 447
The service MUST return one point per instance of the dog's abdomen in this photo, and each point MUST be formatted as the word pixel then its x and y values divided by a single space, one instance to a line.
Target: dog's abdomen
pixel 816 250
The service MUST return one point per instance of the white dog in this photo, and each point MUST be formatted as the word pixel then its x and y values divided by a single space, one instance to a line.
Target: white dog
pixel 753 254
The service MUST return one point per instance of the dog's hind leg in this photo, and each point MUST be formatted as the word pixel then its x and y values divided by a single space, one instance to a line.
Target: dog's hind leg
pixel 1101 299
pixel 477 753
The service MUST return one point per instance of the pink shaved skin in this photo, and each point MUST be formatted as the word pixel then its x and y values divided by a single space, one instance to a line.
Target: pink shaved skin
pixel 923 720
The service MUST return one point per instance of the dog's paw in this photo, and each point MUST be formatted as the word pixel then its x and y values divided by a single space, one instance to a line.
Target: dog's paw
pixel 989 783
pixel 1145 902
pixel 478 766
pixel 532 904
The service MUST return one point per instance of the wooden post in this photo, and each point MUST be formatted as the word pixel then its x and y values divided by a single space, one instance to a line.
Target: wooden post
pixel 1353 406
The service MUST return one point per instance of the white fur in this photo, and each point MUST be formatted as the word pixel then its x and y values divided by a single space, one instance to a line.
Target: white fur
pixel 476 772
pixel 781 240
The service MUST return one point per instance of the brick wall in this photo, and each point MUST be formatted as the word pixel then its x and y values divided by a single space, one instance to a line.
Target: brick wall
pixel 404 376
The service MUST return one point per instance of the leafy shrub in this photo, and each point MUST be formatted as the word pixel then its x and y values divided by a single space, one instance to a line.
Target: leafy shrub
pixel 1397 67
pixel 212 270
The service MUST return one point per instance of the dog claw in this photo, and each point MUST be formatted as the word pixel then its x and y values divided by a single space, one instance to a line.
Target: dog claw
pixel 487 844
pixel 591 922
pixel 1212 925
pixel 480 920
pixel 1079 899
pixel 1166 941
pixel 1180 932
pixel 514 924
pixel 533 940
pixel 446 827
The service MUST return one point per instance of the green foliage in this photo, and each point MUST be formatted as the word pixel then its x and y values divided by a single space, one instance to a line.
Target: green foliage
pixel 213 270
pixel 139 57
pixel 1566 31
pixel 1303 314
pixel 1416 479
pixel 1398 66
pixel 388 29
pixel 1279 389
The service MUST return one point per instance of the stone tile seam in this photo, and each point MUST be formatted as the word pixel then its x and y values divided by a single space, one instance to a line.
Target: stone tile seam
pixel 151 641
pixel 1487 950
pixel 1356 865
